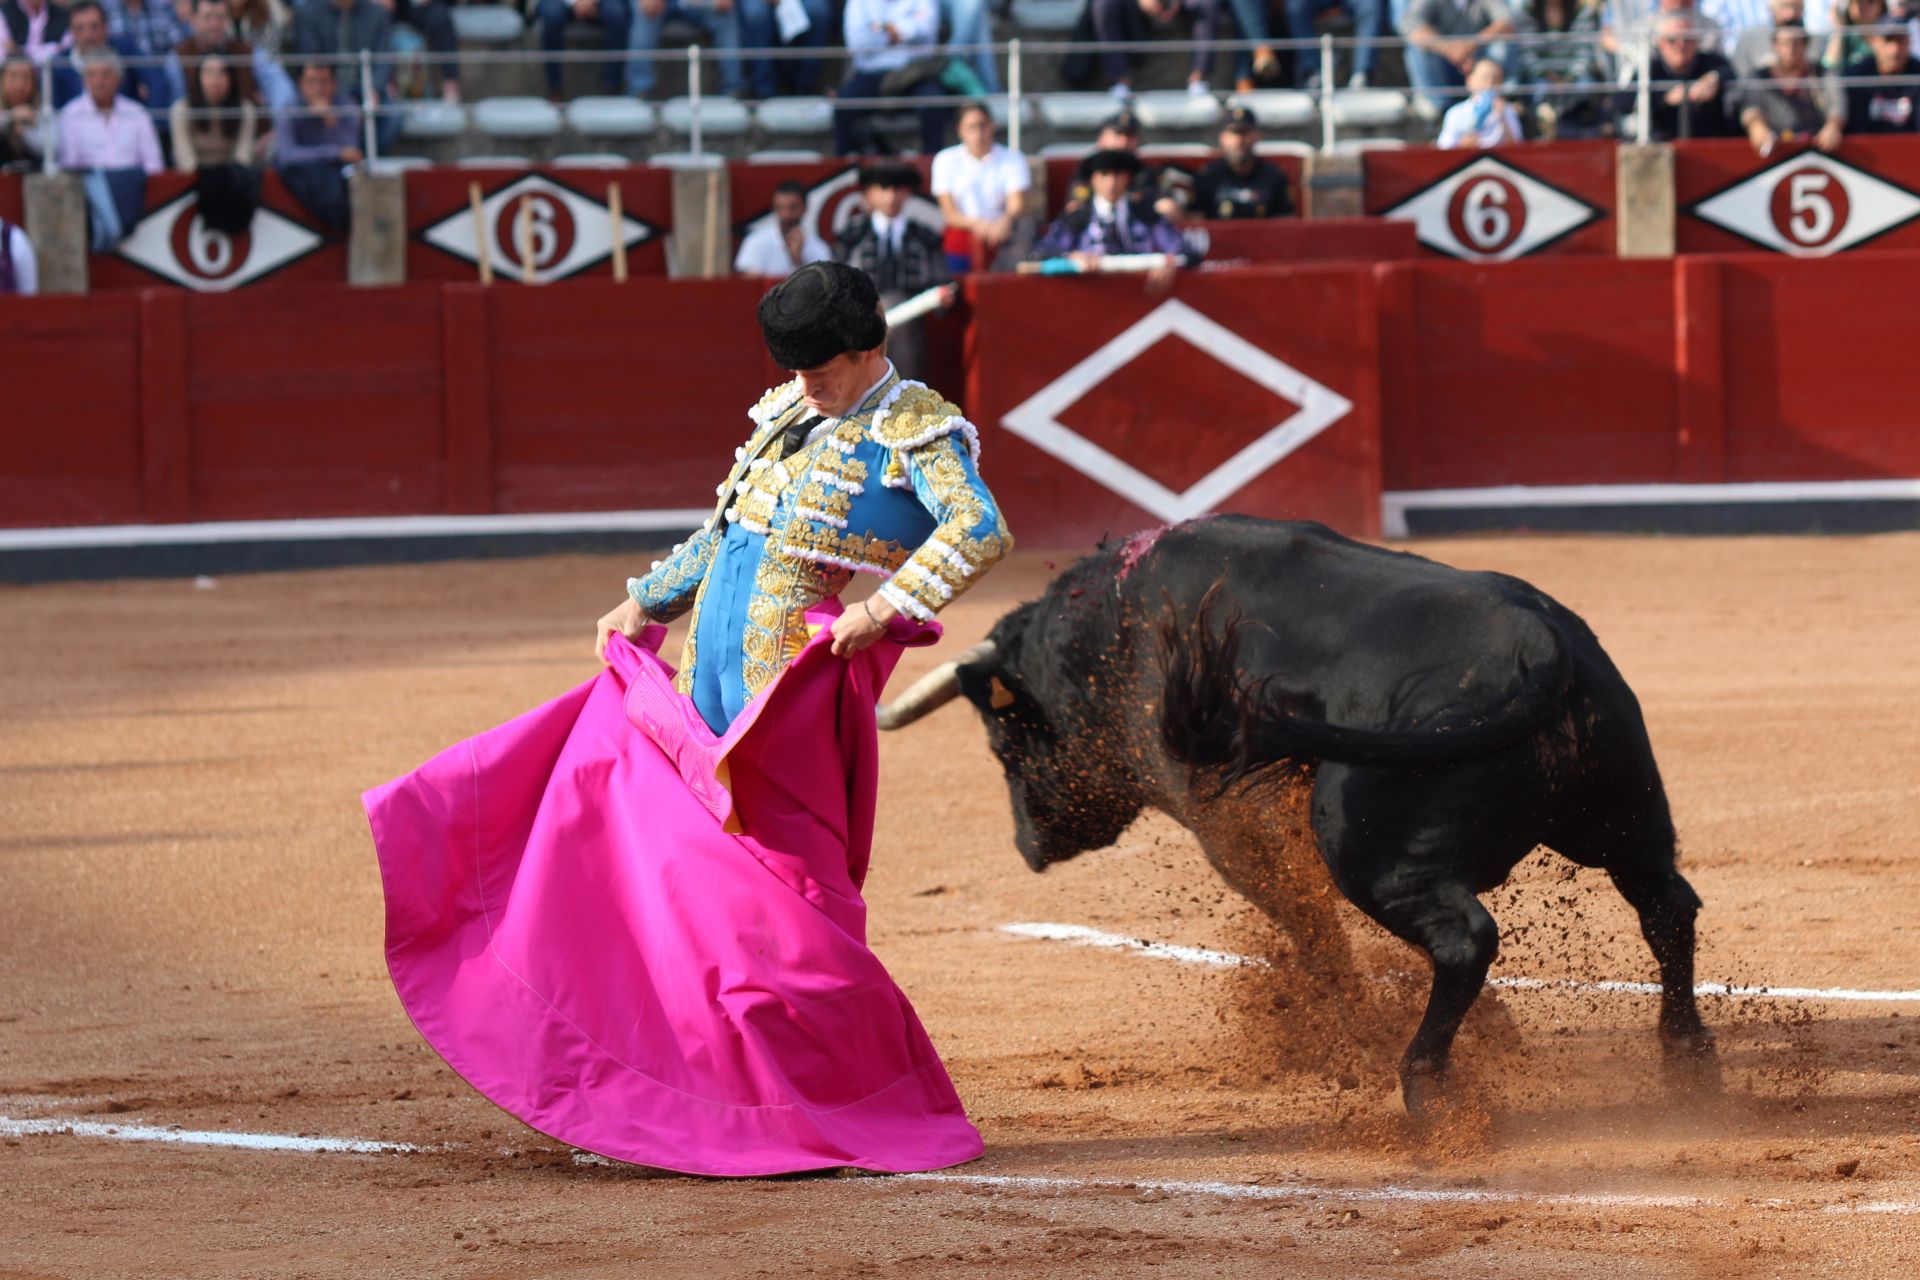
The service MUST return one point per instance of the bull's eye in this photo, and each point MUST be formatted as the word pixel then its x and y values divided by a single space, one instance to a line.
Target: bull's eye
pixel 1001 697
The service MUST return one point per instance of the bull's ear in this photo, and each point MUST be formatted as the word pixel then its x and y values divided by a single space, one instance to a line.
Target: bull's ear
pixel 989 687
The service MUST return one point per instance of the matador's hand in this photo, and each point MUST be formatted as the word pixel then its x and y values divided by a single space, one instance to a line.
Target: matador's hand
pixel 627 619
pixel 857 628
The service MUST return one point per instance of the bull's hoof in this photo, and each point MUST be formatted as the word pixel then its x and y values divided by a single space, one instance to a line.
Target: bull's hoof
pixel 1691 1062
pixel 1424 1091
pixel 1446 1123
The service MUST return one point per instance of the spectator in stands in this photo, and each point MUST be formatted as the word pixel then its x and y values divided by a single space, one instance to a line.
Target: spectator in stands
pixel 104 130
pixel 213 124
pixel 766 77
pixel 717 22
pixel 87 35
pixel 784 245
pixel 1445 38
pixel 343 29
pixel 1239 184
pixel 982 188
pixel 1625 24
pixel 1845 48
pixel 22 131
pixel 213 35
pixel 1690 84
pixel 1169 187
pixel 1485 118
pixel 1114 20
pixel 1734 18
pixel 433 19
pixel 882 36
pixel 37 28
pixel 154 29
pixel 967 24
pixel 1114 219
pixel 902 256
pixel 1753 46
pixel 19 273
pixel 1791 102
pixel 265 27
pixel 1574 59
pixel 1884 108
pixel 316 142
pixel 616 34
pixel 1369 22
pixel 1260 65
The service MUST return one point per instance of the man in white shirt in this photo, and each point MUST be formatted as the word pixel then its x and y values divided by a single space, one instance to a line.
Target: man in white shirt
pixel 1485 119
pixel 982 189
pixel 103 130
pixel 784 243
pixel 884 39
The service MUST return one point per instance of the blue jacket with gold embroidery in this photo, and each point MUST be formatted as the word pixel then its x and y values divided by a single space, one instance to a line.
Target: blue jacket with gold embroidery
pixel 894 491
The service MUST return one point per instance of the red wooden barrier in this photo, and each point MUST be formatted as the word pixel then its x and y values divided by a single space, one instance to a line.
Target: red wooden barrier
pixel 170 244
pixel 1494 206
pixel 1105 409
pixel 13 205
pixel 1281 391
pixel 833 195
pixel 1310 240
pixel 1797 201
pixel 571 224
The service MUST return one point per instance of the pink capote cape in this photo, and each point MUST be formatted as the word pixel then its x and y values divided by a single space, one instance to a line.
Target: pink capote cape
pixel 650 943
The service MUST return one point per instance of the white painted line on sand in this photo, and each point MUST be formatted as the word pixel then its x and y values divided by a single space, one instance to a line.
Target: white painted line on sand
pixel 1010 1182
pixel 11 1128
pixel 1081 935
pixel 224 531
pixel 1395 504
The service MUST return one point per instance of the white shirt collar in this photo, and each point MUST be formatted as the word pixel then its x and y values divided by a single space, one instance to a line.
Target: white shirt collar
pixel 1104 209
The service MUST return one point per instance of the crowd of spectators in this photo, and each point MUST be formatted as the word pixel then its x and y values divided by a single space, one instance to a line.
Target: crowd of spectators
pixel 218 81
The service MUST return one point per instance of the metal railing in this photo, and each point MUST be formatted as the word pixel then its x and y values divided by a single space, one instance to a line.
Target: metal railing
pixel 1630 82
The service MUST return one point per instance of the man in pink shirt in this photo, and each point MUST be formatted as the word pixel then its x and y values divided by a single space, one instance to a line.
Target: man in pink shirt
pixel 33 27
pixel 103 130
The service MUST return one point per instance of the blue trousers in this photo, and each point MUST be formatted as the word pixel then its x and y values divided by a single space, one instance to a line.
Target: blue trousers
pixel 616 17
pixel 723 36
pixel 757 31
pixel 968 24
pixel 1368 15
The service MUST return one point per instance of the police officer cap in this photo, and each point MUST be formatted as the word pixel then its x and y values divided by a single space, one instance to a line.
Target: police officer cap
pixel 821 311
pixel 1113 160
pixel 889 173
pixel 1123 122
pixel 1242 118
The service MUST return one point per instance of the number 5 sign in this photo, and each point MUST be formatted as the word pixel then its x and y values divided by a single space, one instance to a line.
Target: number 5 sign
pixel 1809 205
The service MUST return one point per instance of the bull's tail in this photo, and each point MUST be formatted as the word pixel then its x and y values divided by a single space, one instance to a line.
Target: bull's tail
pixel 1214 718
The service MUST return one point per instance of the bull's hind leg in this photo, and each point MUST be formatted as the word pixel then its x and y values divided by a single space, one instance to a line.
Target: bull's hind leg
pixel 1667 905
pixel 1460 937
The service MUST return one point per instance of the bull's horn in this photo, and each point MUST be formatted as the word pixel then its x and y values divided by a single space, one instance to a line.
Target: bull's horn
pixel 932 691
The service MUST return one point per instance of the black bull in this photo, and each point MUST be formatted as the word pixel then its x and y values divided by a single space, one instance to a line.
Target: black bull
pixel 1439 725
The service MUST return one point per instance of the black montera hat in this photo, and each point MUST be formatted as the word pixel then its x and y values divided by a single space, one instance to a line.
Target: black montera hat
pixel 823 310
pixel 1113 160
pixel 1242 118
pixel 1122 121
pixel 889 173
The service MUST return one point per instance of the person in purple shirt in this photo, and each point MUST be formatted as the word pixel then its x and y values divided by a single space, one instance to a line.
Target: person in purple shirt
pixel 315 142
pixel 1112 220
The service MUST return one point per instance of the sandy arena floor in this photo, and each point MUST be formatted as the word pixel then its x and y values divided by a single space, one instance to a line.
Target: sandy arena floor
pixel 190 928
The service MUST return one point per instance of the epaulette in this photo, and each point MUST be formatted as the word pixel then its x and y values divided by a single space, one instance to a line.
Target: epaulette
pixel 915 415
pixel 775 402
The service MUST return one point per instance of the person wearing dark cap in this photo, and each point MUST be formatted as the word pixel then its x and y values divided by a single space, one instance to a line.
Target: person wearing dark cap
pixel 1113 220
pixel 901 256
pixel 1168 188
pixel 849 469
pixel 1874 105
pixel 1239 184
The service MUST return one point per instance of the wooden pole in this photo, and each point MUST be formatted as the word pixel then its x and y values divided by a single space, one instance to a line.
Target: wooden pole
pixel 482 242
pixel 713 222
pixel 616 213
pixel 523 235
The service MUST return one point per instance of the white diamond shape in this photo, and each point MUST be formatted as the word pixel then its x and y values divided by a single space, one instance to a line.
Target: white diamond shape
pixel 555 256
pixel 1036 419
pixel 273 241
pixel 1504 213
pixel 1747 208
